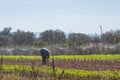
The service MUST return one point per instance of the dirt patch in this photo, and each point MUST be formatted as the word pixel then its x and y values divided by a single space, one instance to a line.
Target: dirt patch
pixel 84 65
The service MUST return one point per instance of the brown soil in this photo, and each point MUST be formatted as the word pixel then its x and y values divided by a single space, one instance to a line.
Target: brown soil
pixel 84 65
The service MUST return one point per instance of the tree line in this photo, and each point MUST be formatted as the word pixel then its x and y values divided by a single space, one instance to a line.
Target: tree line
pixel 22 38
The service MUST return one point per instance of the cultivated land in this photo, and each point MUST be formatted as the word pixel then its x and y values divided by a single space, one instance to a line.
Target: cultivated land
pixel 76 64
pixel 78 67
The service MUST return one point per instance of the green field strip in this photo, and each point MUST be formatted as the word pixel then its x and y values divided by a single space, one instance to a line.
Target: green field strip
pixel 67 72
pixel 68 57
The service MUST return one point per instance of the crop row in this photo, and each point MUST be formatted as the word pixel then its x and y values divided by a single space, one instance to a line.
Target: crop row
pixel 68 73
pixel 69 57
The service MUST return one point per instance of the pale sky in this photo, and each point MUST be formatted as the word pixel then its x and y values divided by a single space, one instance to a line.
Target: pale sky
pixel 83 16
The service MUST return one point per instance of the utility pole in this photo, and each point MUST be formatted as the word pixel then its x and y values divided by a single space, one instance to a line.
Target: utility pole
pixel 101 30
pixel 101 38
pixel 101 33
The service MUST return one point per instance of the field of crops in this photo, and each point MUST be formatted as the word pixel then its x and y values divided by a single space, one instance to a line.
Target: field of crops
pixel 69 57
pixel 70 67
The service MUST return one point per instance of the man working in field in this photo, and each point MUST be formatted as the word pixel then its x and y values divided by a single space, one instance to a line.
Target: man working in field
pixel 45 53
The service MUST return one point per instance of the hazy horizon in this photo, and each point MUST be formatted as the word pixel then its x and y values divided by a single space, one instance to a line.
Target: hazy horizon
pixel 80 16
